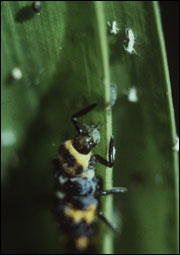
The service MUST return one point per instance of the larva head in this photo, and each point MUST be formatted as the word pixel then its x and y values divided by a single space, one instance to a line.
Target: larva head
pixel 83 143
pixel 86 141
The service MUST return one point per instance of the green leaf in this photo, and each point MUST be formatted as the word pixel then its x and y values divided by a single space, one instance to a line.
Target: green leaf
pixel 145 131
pixel 60 55
pixel 68 56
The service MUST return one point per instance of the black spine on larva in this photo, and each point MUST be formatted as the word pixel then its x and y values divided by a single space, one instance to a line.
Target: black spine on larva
pixel 80 193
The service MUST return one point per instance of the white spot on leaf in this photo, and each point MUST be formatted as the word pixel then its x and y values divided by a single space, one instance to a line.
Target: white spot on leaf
pixel 16 73
pixel 8 138
pixel 132 95
pixel 176 146
pixel 113 93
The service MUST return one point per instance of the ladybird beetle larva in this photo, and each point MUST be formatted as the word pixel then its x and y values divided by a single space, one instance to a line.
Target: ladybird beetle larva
pixel 77 188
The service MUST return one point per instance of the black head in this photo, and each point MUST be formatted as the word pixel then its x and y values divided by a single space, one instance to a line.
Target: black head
pixel 86 141
pixel 83 143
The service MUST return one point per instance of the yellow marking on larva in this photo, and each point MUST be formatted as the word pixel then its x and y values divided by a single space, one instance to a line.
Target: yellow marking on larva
pixel 82 242
pixel 77 215
pixel 81 159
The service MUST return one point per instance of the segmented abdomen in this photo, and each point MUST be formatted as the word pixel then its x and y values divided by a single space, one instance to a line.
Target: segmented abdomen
pixel 75 209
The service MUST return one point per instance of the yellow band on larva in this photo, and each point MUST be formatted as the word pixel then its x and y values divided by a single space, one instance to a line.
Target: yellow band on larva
pixel 78 215
pixel 82 159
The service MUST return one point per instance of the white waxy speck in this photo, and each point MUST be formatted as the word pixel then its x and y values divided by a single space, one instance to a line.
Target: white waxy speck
pixel 132 95
pixel 131 41
pixel 62 180
pixel 8 138
pixel 114 29
pixel 113 93
pixel 16 73
pixel 176 146
pixel 60 195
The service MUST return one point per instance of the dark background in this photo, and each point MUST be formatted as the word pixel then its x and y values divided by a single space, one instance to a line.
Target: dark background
pixel 170 21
